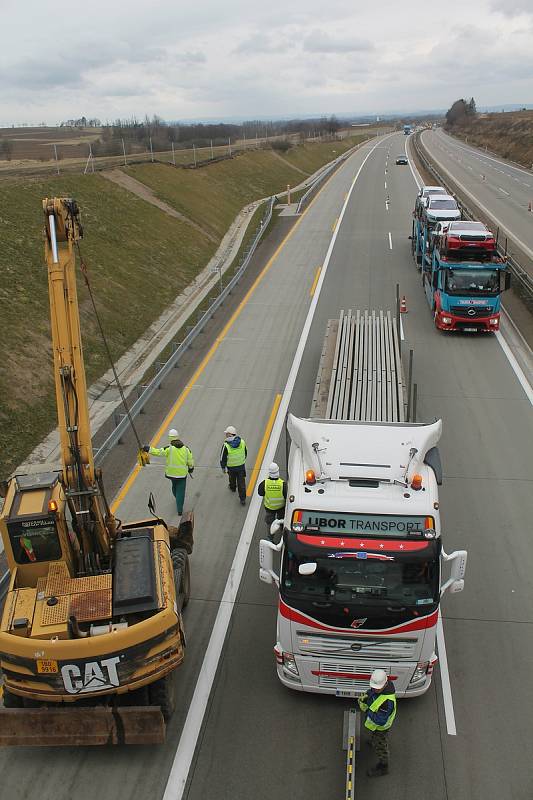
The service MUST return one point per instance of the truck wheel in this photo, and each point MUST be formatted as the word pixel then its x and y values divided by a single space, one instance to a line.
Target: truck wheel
pixel 162 693
pixel 12 700
pixel 182 577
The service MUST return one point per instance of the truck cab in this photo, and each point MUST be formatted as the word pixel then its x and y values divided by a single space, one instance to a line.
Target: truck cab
pixel 465 295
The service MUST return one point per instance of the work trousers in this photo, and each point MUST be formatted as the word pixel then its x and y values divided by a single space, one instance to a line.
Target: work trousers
pixel 380 744
pixel 178 490
pixel 237 480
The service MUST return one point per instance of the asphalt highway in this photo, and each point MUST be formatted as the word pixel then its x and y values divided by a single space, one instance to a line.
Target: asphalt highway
pixel 504 190
pixel 258 740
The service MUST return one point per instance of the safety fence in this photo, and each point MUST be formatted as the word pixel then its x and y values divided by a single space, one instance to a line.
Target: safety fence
pixel 522 276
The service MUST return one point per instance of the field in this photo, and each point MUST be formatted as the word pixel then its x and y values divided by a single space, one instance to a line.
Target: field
pixel 509 134
pixel 139 259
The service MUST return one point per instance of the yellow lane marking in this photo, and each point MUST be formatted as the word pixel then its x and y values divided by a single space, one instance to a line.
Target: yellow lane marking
pixel 334 225
pixel 214 347
pixel 317 276
pixel 263 446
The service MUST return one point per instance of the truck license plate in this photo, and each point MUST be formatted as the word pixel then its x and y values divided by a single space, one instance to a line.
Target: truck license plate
pixel 470 330
pixel 346 693
pixel 46 665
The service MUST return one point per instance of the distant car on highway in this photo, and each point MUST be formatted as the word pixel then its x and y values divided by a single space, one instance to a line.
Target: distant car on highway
pixel 401 160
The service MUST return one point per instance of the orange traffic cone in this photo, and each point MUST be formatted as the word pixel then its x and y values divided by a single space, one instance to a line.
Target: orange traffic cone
pixel 403 305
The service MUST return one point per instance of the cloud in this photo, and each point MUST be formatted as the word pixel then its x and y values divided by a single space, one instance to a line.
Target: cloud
pixel 512 8
pixel 321 42
pixel 262 43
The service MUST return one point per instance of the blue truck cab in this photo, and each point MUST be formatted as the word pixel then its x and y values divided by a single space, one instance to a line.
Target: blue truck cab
pixel 465 295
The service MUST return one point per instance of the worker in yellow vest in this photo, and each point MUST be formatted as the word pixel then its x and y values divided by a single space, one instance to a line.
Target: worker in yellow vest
pixel 379 708
pixel 273 490
pixel 233 459
pixel 179 463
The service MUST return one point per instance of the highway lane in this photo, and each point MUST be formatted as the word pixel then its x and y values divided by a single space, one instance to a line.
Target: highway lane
pixel 504 190
pixel 261 740
pixel 236 384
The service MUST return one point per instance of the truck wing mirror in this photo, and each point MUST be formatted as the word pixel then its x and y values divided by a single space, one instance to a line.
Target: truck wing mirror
pixel 151 504
pixel 507 279
pixel 276 526
pixel 308 569
pixel 266 561
pixel 455 582
pixel 436 280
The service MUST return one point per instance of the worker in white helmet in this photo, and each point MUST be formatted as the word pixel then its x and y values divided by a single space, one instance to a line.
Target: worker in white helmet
pixel 273 490
pixel 233 459
pixel 379 707
pixel 179 463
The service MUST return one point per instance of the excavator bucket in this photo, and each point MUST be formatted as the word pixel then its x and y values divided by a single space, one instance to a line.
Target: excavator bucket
pixel 52 727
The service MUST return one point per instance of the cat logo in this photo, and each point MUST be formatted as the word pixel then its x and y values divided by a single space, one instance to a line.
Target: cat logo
pixel 93 676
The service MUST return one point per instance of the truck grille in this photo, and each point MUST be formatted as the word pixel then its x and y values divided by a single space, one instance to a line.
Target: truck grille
pixel 370 648
pixel 341 678
pixel 479 311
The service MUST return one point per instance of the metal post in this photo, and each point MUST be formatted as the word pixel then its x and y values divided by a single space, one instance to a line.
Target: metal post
pixel 398 328
pixel 409 384
pixel 124 151
pixel 173 154
pixel 151 150
pixel 288 194
pixel 229 145
pixel 194 154
pixel 57 161
pixel 415 398
pixel 212 156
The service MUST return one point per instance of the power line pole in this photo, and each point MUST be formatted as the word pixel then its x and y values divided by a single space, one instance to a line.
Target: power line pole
pixel 124 151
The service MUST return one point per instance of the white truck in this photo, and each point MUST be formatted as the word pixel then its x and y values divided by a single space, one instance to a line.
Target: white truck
pixel 361 556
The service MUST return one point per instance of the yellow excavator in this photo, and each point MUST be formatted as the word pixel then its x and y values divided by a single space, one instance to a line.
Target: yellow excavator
pixel 92 629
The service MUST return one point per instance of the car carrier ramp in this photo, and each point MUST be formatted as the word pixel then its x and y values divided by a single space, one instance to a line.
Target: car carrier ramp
pixel 360 374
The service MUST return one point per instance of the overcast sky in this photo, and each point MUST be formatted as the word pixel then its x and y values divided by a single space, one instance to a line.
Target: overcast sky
pixel 234 58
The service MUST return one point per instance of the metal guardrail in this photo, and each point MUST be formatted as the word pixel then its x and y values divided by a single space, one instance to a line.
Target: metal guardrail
pixel 163 371
pixel 522 276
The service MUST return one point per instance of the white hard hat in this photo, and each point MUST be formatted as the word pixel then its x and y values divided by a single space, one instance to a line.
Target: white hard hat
pixel 378 679
pixel 273 470
pixel 173 434
pixel 231 429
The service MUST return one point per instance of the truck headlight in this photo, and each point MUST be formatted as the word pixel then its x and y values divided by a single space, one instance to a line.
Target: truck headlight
pixel 493 321
pixel 419 675
pixel 446 320
pixel 289 664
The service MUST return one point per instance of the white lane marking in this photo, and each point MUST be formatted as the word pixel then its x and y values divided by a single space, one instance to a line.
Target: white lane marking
pixel 517 369
pixel 484 208
pixel 503 190
pixel 390 240
pixel 490 158
pixel 385 184
pixel 441 645
pixel 445 680
pixel 402 337
pixel 184 755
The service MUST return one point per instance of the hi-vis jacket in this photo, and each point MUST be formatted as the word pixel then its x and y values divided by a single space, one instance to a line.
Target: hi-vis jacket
pixel 233 453
pixel 179 460
pixel 380 708
pixel 274 494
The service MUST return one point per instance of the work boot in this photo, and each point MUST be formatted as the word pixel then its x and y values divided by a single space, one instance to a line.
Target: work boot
pixel 232 488
pixel 378 770
pixel 243 501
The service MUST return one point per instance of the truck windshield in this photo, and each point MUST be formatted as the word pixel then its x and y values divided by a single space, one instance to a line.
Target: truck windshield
pixel 470 281
pixel 34 540
pixel 345 585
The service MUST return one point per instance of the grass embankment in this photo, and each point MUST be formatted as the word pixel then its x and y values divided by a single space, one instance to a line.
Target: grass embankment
pixel 139 260
pixel 510 134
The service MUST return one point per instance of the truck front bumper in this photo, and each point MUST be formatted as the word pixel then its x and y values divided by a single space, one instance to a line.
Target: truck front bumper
pixel 445 321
